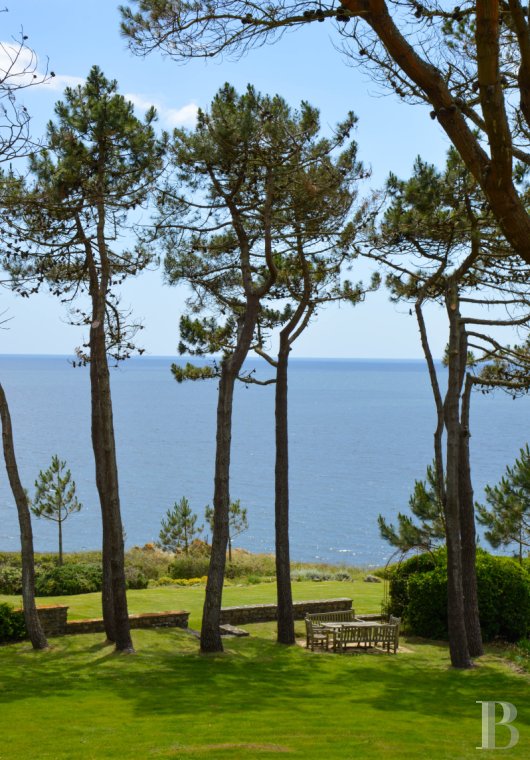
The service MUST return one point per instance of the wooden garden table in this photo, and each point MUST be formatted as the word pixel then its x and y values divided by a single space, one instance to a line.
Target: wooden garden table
pixel 355 632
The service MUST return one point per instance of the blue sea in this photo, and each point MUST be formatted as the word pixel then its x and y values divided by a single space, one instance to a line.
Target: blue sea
pixel 361 432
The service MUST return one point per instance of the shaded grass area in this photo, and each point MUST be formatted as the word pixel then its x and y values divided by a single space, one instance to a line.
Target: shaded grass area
pixel 257 699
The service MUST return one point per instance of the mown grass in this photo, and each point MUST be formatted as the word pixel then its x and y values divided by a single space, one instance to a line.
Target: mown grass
pixel 258 699
pixel 367 598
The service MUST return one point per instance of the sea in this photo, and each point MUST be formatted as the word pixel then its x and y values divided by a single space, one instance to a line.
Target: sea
pixel 360 434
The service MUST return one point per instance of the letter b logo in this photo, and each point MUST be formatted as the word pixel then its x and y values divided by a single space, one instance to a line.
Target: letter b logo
pixel 489 724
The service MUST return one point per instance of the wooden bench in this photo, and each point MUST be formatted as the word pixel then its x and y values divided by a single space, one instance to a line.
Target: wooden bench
pixel 340 616
pixel 358 635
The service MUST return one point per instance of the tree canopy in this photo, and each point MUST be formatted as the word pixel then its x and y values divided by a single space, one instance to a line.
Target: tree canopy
pixel 470 62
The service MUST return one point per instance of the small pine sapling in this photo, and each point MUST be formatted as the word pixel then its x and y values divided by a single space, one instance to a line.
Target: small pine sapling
pixel 55 498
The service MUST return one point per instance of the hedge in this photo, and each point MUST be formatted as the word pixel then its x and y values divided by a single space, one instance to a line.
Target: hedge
pixel 418 593
pixel 12 626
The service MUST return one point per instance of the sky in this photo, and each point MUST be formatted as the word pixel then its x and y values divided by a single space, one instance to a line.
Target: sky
pixel 70 37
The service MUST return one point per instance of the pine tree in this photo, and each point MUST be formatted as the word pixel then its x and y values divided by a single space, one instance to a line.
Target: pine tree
pixel 237 522
pixel 426 506
pixel 99 162
pixel 55 498
pixel 275 227
pixel 508 518
pixel 179 528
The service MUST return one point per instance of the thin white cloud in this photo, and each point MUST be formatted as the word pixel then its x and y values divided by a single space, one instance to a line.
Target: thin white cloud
pixel 60 81
pixel 18 65
pixel 19 68
pixel 170 117
pixel 139 101
pixel 182 117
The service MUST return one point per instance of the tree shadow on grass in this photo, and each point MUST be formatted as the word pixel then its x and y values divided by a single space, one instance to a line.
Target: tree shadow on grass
pixel 169 677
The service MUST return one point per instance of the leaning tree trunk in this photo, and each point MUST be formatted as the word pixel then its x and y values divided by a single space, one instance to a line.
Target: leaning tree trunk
pixel 211 617
pixel 107 601
pixel 31 618
pixel 230 367
pixel 283 564
pixel 458 645
pixel 468 532
pixel 107 482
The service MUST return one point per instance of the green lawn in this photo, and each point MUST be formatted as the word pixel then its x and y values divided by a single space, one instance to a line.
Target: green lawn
pixel 256 700
pixel 367 598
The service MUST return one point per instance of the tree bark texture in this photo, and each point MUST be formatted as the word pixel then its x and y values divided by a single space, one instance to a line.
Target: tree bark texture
pixel 458 645
pixel 283 563
pixel 107 482
pixel 31 618
pixel 107 602
pixel 468 531
pixel 230 367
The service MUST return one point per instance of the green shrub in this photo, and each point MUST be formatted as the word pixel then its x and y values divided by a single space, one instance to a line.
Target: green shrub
pixel 68 579
pixel 148 560
pixel 503 597
pixel 13 559
pixel 12 626
pixel 419 594
pixel 135 579
pixel 311 574
pixel 399 575
pixel 426 613
pixel 342 575
pixel 244 564
pixel 10 580
pixel 164 580
pixel 188 566
pixel 255 579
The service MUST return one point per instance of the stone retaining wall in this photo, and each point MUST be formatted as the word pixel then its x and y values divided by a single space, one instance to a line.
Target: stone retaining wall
pixel 263 613
pixel 53 619
pixel 145 620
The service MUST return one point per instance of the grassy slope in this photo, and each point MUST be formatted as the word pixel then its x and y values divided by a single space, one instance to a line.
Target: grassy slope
pixel 367 598
pixel 255 700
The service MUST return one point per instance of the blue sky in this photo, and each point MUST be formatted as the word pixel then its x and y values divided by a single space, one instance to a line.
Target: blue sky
pixel 305 65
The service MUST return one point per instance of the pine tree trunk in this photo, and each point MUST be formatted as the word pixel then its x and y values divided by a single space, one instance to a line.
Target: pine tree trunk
pixel 105 460
pixel 283 564
pixel 211 618
pixel 31 618
pixel 107 597
pixel 107 602
pixel 468 532
pixel 230 368
pixel 455 598
pixel 60 523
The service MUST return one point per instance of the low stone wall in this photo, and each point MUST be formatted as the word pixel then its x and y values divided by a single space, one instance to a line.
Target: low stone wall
pixel 264 613
pixel 90 625
pixel 53 619
pixel 174 619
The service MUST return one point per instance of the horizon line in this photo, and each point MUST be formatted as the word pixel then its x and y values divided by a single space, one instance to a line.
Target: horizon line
pixel 217 356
